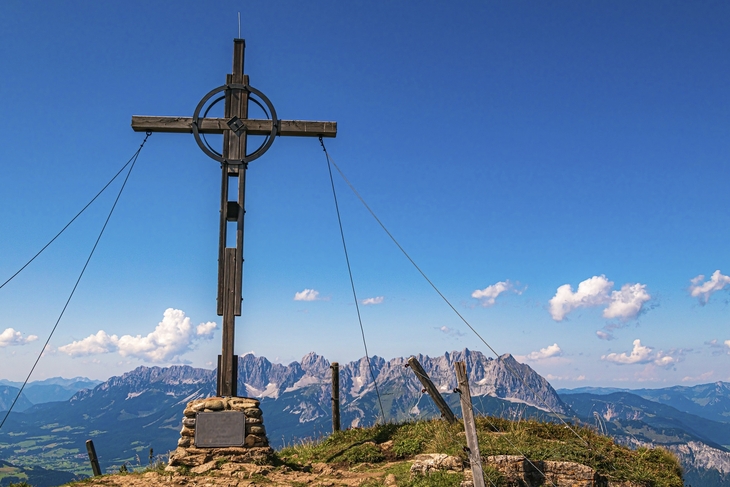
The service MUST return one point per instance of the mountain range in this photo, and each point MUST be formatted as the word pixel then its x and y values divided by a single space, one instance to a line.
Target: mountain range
pixel 129 414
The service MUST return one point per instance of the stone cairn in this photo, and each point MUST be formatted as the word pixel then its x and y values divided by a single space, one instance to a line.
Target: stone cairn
pixel 256 447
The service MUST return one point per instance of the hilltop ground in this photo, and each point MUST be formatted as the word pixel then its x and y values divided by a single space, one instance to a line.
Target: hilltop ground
pixel 386 455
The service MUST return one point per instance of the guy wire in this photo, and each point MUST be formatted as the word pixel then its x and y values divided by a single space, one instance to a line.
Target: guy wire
pixel 25 382
pixel 352 282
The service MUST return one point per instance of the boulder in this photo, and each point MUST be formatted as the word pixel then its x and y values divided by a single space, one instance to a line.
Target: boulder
pixel 426 463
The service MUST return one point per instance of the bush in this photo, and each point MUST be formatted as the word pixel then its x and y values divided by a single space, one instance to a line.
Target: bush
pixel 407 447
pixel 365 453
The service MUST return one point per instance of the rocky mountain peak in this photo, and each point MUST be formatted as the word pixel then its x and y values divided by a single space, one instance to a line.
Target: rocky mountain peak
pixel 314 364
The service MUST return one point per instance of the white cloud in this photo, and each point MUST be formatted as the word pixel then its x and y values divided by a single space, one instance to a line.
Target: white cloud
pixel 701 377
pixel 92 345
pixel 641 354
pixel 665 360
pixel 703 290
pixel 727 344
pixel 552 377
pixel 604 335
pixel 547 352
pixel 489 294
pixel 10 337
pixel 307 295
pixel 375 300
pixel 172 337
pixel 450 331
pixel 625 304
pixel 591 292
pixel 206 330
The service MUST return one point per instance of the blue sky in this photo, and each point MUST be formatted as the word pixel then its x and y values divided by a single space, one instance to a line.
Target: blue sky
pixel 559 170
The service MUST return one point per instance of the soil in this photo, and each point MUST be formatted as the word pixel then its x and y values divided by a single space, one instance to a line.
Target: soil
pixel 249 475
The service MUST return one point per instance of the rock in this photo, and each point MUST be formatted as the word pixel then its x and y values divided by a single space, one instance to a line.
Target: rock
pixel 322 469
pixel 252 412
pixel 242 403
pixel 184 441
pixel 256 429
pixel 430 462
pixel 390 480
pixel 206 467
pixel 231 467
pixel 214 405
pixel 254 440
pixel 254 420
pixel 199 406
pixel 189 412
pixel 189 422
pixel 178 457
pixel 185 431
pixel 518 469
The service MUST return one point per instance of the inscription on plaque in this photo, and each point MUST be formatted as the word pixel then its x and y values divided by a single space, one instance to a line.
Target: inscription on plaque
pixel 220 429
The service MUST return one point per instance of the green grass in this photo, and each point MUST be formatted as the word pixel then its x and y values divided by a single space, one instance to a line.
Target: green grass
pixel 538 441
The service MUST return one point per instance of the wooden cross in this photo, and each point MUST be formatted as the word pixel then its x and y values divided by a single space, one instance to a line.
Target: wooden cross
pixel 235 127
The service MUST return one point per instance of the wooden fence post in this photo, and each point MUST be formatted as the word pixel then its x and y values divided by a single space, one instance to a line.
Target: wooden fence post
pixel 93 458
pixel 335 396
pixel 472 442
pixel 436 396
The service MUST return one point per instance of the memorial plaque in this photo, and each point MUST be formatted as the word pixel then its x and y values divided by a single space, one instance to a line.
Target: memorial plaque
pixel 220 429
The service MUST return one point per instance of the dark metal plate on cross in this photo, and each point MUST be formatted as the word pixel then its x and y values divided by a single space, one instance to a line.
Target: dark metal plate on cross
pixel 220 429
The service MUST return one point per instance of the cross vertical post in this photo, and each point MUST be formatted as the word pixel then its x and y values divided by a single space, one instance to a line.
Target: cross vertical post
pixel 230 259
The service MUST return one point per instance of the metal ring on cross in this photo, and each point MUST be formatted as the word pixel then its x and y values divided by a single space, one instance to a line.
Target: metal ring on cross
pixel 248 157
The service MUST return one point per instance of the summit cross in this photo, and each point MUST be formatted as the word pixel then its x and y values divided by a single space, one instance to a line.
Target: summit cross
pixel 234 159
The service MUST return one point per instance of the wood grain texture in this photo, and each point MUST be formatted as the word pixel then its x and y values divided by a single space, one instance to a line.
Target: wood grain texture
pixel 335 396
pixel 475 458
pixel 434 393
pixel 184 125
pixel 228 386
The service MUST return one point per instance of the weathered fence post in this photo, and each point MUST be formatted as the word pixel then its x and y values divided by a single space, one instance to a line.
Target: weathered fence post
pixel 335 396
pixel 472 442
pixel 436 396
pixel 93 458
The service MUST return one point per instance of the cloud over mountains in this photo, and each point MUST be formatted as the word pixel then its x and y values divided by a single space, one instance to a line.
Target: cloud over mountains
pixel 624 304
pixel 11 337
pixel 172 337
pixel 642 354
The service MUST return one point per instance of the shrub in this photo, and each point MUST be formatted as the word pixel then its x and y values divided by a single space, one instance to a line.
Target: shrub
pixel 365 453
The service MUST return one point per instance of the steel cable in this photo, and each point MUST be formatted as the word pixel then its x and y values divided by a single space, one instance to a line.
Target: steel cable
pixel 352 281
pixel 75 217
pixel 88 259
pixel 446 300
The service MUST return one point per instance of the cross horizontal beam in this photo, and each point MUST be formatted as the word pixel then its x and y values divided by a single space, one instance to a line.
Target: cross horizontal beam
pixel 184 125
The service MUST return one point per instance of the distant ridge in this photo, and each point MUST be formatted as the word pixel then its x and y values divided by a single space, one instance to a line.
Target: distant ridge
pixel 8 395
pixel 50 390
pixel 709 401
